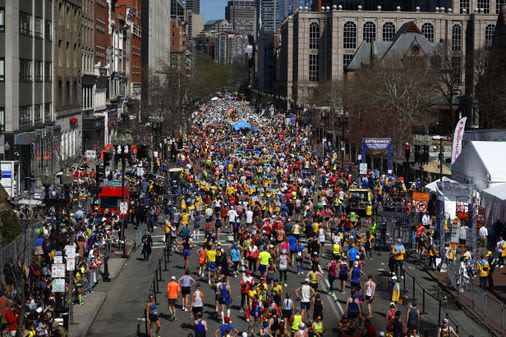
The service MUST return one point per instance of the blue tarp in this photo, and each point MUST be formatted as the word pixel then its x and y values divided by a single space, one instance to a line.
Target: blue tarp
pixel 240 124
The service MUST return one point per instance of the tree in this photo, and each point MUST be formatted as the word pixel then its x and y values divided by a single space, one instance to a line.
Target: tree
pixel 391 98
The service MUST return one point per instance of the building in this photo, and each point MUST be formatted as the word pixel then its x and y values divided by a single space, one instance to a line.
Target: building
pixel 218 26
pixel 67 76
pixel 242 14
pixel 231 48
pixel 317 47
pixel 27 130
pixel 95 131
pixel 180 56
pixel 155 42
pixel 87 56
pixel 195 24
pixel 193 6
pixel 177 10
pixel 271 14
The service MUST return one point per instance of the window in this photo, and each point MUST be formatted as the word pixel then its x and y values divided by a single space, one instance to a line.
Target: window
pixel 314 35
pixel 38 71
pixel 485 5
pixel 388 31
pixel 67 93
pixel 456 70
pixel 369 31
pixel 350 35
pixel 346 60
pixel 47 112
pixel 25 70
pixel 25 23
pixel 313 68
pixel 48 30
pixel 37 113
pixel 25 116
pixel 456 38
pixel 428 31
pixel 38 27
pixel 498 5
pixel 489 36
pixel 464 4
pixel 2 119
pixel 48 71
pixel 2 69
pixel 2 20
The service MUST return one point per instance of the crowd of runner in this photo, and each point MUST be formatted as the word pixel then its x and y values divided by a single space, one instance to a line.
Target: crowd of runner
pixel 282 207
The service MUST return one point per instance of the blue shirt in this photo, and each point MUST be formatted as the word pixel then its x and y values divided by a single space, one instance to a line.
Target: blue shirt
pixel 352 254
pixel 235 254
pixel 292 242
pixel 224 327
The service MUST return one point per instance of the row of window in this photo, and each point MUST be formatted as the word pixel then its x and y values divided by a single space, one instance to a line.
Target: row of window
pixel 32 70
pixel 482 4
pixel 26 118
pixel 26 28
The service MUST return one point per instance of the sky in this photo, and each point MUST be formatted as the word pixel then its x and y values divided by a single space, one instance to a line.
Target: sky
pixel 212 9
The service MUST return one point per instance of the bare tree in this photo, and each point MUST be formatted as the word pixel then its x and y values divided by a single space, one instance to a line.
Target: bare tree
pixel 392 97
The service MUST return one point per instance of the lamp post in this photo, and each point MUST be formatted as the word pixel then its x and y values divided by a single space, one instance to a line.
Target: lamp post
pixel 59 202
pixel 343 122
pixel 124 140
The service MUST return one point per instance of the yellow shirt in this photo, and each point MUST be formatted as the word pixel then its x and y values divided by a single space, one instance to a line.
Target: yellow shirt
pixel 483 268
pixel 398 252
pixel 211 255
pixel 185 218
pixel 297 319
pixel 264 257
pixel 396 292
pixel 277 289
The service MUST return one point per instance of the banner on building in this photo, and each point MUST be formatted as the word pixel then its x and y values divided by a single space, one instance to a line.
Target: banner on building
pixel 457 138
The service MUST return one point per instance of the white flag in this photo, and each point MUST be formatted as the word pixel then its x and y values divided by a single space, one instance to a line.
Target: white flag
pixel 457 138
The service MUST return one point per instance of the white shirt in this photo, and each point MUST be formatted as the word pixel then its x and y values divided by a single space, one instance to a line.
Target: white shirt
pixel 232 214
pixel 305 293
pixel 249 216
pixel 483 232
pixel 426 220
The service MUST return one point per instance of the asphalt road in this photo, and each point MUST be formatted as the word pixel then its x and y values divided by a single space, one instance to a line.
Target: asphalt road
pixel 126 297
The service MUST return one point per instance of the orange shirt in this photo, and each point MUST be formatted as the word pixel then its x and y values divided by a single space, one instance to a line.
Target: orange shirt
pixel 173 289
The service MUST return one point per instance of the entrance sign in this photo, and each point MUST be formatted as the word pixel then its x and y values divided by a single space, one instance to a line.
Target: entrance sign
pixel 377 145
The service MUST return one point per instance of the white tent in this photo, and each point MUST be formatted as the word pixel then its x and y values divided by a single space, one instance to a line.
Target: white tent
pixel 493 199
pixel 482 164
pixel 432 187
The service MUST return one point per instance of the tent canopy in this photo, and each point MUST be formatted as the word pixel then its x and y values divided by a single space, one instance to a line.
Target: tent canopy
pixel 481 164
pixel 493 199
pixel 432 187
pixel 240 124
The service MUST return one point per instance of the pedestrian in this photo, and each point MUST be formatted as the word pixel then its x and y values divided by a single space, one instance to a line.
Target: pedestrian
pixel 152 316
pixel 398 252
pixel 225 298
pixel 343 273
pixel 398 325
pixel 287 310
pixel 332 273
pixel 200 326
pixel 247 283
pixel 396 290
pixel 186 282
pixel 173 291
pixel 445 330
pixel 352 308
pixel 317 307
pixel 369 293
pixel 197 301
pixel 483 269
pixel 413 319
pixel 283 267
pixel 305 293
pixel 492 262
pixel 147 243
pixel 226 329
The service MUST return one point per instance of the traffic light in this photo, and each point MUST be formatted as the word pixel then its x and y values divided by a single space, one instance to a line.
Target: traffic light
pixel 407 152
pixel 418 157
pixel 425 154
pixel 107 158
pixel 100 169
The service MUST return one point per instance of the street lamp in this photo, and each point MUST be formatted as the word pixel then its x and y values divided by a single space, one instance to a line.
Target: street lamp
pixel 124 140
pixel 59 201
pixel 343 122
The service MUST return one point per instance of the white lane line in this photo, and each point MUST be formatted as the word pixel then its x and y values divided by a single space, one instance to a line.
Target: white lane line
pixel 333 296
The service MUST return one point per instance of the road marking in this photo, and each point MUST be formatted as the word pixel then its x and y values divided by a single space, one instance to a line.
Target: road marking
pixel 333 296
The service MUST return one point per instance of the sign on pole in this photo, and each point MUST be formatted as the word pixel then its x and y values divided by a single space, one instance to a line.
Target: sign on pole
pixel 123 207
pixel 421 206
pixel 71 264
pixel 419 196
pixel 58 285
pixel 454 230
pixel 57 270
pixel 362 167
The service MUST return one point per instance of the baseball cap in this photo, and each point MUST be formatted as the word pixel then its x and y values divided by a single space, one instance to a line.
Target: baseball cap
pixel 445 320
pixel 301 325
pixel 489 253
pixel 306 280
pixel 248 272
pixel 394 277
pixel 173 278
pixel 392 304
pixel 227 319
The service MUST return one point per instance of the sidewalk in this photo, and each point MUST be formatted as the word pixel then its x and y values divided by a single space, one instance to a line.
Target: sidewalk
pixel 498 294
pixel 85 315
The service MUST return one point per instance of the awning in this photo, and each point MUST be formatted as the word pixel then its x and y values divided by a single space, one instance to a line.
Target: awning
pixel 433 167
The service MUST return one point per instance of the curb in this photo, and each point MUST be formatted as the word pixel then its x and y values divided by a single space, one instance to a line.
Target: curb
pixel 87 324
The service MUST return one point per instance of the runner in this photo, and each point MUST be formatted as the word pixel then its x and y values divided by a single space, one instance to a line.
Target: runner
pixel 369 292
pixel 197 302
pixel 173 291
pixel 152 315
pixel 200 326
pixel 186 281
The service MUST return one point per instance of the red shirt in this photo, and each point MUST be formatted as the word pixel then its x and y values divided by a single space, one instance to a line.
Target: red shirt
pixel 12 317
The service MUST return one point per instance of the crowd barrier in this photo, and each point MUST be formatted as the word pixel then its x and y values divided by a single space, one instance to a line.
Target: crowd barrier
pixel 482 302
